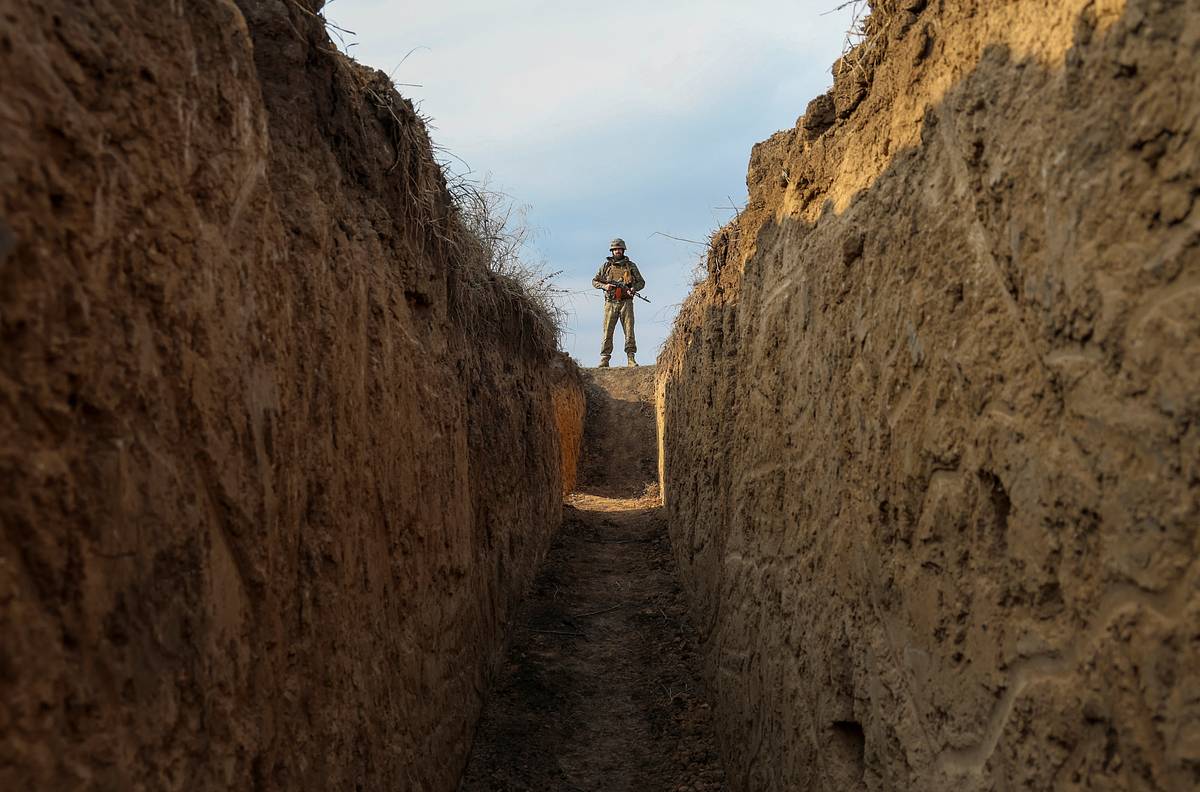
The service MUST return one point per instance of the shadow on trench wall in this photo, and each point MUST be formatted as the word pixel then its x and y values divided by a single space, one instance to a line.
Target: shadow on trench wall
pixel 930 461
pixel 267 499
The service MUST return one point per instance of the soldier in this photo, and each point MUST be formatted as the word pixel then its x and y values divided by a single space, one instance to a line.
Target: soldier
pixel 620 279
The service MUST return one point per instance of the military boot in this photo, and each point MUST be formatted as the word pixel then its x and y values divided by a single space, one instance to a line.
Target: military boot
pixel 631 362
pixel 604 361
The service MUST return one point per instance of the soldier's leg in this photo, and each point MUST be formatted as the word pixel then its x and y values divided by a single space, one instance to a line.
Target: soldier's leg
pixel 610 324
pixel 627 326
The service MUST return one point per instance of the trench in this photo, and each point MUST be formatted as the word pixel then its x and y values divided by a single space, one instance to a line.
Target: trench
pixel 283 459
pixel 599 687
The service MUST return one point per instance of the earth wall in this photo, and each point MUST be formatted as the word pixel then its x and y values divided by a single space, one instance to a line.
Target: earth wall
pixel 930 427
pixel 278 454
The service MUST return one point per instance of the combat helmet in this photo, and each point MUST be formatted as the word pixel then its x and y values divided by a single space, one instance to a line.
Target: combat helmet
pixel 617 244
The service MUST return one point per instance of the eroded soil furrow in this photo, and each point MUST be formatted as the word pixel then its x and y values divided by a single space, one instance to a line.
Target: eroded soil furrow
pixel 600 687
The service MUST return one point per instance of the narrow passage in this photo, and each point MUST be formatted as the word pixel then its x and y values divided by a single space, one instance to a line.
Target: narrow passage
pixel 600 687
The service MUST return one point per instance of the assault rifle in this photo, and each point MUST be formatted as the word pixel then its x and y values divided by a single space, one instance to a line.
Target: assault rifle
pixel 619 288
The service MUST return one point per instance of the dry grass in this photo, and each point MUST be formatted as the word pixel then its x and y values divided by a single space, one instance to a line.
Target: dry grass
pixel 864 43
pixel 860 11
pixel 481 234
pixel 497 267
pixel 493 287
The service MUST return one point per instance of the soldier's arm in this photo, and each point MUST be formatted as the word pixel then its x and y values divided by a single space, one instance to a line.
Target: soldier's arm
pixel 639 282
pixel 598 281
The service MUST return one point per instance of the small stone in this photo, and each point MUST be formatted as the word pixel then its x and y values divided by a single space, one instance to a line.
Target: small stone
pixel 852 248
pixel 819 116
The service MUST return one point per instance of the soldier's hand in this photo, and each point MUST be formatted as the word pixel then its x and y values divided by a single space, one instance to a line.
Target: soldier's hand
pixel 608 287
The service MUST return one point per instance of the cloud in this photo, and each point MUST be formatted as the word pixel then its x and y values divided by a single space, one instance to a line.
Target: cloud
pixel 535 71
pixel 627 118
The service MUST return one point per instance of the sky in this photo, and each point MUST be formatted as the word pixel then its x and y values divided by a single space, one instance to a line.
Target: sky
pixel 629 119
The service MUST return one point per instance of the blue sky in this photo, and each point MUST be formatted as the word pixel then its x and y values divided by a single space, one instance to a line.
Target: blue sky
pixel 622 119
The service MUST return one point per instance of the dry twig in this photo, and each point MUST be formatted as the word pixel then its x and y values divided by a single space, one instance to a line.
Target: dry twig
pixel 558 632
pixel 598 612
pixel 681 239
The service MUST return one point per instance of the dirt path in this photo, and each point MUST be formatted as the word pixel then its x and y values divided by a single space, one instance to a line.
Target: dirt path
pixel 599 689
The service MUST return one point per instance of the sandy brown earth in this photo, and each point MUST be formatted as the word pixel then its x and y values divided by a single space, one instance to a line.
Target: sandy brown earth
pixel 600 688
pixel 277 455
pixel 931 444
pixel 620 446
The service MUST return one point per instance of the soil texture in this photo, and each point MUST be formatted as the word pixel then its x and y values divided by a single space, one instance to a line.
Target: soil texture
pixel 931 456
pixel 620 448
pixel 278 454
pixel 600 688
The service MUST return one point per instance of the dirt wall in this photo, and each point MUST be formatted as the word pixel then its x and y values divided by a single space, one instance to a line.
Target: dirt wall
pixel 930 439
pixel 570 407
pixel 276 454
pixel 620 446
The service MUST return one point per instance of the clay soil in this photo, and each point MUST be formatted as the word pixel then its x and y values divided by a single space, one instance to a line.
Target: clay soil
pixel 600 687
pixel 941 378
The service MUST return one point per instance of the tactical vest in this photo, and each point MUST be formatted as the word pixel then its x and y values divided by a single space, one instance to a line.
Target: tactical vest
pixel 620 273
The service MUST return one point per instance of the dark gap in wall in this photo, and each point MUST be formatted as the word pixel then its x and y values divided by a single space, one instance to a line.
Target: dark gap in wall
pixel 847 756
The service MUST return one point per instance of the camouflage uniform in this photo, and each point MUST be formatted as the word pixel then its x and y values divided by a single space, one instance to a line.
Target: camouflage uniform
pixel 621 270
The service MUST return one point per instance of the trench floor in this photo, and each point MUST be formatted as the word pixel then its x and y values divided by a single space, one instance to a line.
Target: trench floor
pixel 600 687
